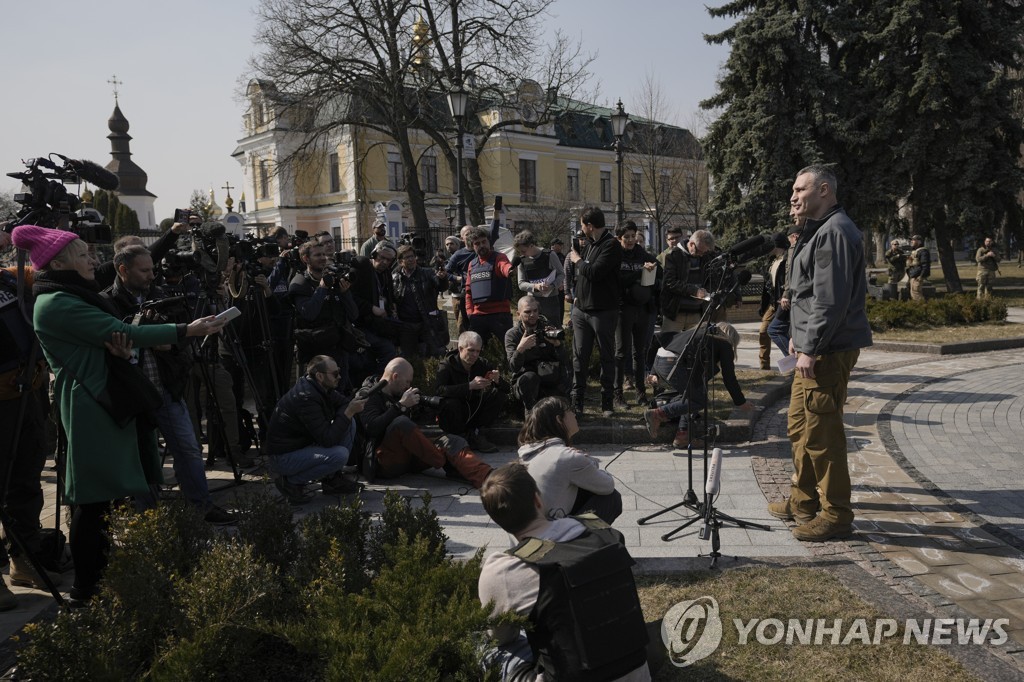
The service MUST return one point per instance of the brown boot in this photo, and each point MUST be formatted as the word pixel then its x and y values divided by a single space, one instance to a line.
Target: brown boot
pixel 470 467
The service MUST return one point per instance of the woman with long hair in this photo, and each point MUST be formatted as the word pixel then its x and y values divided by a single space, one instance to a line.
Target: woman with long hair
pixel 570 481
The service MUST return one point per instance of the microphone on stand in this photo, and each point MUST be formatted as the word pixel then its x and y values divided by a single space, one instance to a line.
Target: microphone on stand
pixel 714 482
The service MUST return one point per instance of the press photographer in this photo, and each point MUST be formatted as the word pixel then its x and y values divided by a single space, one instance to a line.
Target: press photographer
pixel 374 293
pixel 416 292
pixel 324 313
pixel 536 356
pixel 167 367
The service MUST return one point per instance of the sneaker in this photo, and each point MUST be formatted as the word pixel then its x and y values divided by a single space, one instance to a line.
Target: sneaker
pixel 7 599
pixel 641 398
pixel 628 384
pixel 654 420
pixel 782 510
pixel 607 410
pixel 683 437
pixel 219 517
pixel 339 484
pixel 23 574
pixel 821 529
pixel 619 403
pixel 295 494
pixel 478 442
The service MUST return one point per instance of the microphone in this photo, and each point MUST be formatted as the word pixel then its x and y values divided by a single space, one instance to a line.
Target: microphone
pixel 376 388
pixel 756 252
pixel 714 482
pixel 737 250
pixel 92 172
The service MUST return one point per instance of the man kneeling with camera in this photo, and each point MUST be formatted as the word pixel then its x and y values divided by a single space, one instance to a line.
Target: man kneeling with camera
pixel 535 356
pixel 311 433
pixel 399 445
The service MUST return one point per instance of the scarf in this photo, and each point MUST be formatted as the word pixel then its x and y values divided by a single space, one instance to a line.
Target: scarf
pixel 70 282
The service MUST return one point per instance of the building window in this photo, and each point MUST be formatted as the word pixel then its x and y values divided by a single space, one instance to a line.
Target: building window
pixel 428 173
pixel 264 188
pixel 527 180
pixel 634 188
pixel 606 186
pixel 572 183
pixel 335 173
pixel 396 174
pixel 665 184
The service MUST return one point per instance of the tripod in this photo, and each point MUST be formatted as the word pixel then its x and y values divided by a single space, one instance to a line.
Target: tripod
pixel 698 357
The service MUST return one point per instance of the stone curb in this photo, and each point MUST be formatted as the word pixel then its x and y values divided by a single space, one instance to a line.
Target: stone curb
pixel 959 348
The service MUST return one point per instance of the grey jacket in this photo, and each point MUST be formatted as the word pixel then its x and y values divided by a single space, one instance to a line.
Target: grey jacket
pixel 829 286
pixel 560 471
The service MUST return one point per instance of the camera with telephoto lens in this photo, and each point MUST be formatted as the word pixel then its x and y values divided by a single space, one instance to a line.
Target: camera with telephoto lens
pixel 431 401
pixel 554 333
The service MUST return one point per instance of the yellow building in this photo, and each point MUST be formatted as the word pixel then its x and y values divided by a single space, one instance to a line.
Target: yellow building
pixel 545 171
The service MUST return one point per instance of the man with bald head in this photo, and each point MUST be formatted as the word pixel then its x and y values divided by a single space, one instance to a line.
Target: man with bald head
pixel 399 444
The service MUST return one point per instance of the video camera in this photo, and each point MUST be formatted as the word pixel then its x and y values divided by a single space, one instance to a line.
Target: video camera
pixel 48 203
pixel 339 268
pixel 418 244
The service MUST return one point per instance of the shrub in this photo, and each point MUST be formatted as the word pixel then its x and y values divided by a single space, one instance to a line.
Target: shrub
pixel 957 309
pixel 337 596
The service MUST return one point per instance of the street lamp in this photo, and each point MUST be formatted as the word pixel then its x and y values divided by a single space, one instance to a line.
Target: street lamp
pixel 458 98
pixel 449 214
pixel 619 121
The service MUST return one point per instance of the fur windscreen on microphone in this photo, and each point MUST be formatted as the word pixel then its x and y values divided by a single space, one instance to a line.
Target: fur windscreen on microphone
pixel 94 173
pixel 213 229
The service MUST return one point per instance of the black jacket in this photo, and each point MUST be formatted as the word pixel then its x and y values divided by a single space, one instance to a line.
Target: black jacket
pixel 172 365
pixel 630 272
pixel 307 415
pixel 722 359
pixel 379 411
pixel 684 275
pixel 527 360
pixel 597 283
pixel 453 380
pixel 369 286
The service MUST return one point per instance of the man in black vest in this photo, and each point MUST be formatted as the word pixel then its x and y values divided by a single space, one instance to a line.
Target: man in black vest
pixel 528 580
pixel 595 311
pixel 488 289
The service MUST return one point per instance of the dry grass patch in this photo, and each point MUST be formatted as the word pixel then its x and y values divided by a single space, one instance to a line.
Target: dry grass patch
pixel 800 593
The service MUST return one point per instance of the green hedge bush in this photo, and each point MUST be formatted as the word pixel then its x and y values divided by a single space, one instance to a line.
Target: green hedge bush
pixel 958 309
pixel 338 596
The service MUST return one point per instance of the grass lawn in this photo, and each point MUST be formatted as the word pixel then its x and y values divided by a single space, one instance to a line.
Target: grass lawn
pixel 976 332
pixel 785 593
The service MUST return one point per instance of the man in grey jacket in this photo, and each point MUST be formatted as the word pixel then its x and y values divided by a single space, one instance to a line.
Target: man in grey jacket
pixel 829 326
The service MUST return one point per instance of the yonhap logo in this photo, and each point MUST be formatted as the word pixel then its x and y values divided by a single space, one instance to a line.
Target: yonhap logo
pixel 691 630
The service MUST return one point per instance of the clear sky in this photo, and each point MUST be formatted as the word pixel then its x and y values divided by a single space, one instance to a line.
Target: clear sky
pixel 181 63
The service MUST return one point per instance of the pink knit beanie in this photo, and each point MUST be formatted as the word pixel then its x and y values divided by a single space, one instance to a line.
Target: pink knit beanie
pixel 42 243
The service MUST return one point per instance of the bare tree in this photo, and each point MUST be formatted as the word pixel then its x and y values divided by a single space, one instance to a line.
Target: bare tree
pixel 388 66
pixel 673 179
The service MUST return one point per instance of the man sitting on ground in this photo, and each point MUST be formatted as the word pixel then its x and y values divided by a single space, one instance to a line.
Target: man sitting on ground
pixel 399 444
pixel 575 633
pixel 472 393
pixel 311 433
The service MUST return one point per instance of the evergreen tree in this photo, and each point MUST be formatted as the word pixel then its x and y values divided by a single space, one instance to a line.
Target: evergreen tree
pixel 911 99
pixel 101 202
pixel 769 125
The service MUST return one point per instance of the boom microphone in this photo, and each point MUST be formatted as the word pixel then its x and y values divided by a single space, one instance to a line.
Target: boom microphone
pixel 93 173
pixel 714 482
pixel 748 244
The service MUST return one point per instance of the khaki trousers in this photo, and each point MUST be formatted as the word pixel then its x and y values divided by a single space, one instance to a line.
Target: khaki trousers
pixel 763 340
pixel 816 431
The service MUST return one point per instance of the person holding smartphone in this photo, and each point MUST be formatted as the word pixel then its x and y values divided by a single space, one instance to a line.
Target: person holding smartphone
pixel 472 393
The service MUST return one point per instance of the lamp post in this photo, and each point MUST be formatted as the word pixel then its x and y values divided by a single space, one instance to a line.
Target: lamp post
pixel 457 100
pixel 619 121
pixel 449 214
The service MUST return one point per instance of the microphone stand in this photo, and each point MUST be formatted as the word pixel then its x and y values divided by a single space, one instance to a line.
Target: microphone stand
pixel 703 359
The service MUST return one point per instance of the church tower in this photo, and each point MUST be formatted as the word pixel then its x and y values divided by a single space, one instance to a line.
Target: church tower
pixel 132 189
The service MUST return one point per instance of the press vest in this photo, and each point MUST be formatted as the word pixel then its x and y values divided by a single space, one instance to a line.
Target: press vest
pixel 588 624
pixel 486 283
pixel 540 268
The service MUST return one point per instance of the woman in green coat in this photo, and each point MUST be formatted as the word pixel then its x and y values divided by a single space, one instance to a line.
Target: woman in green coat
pixel 76 329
